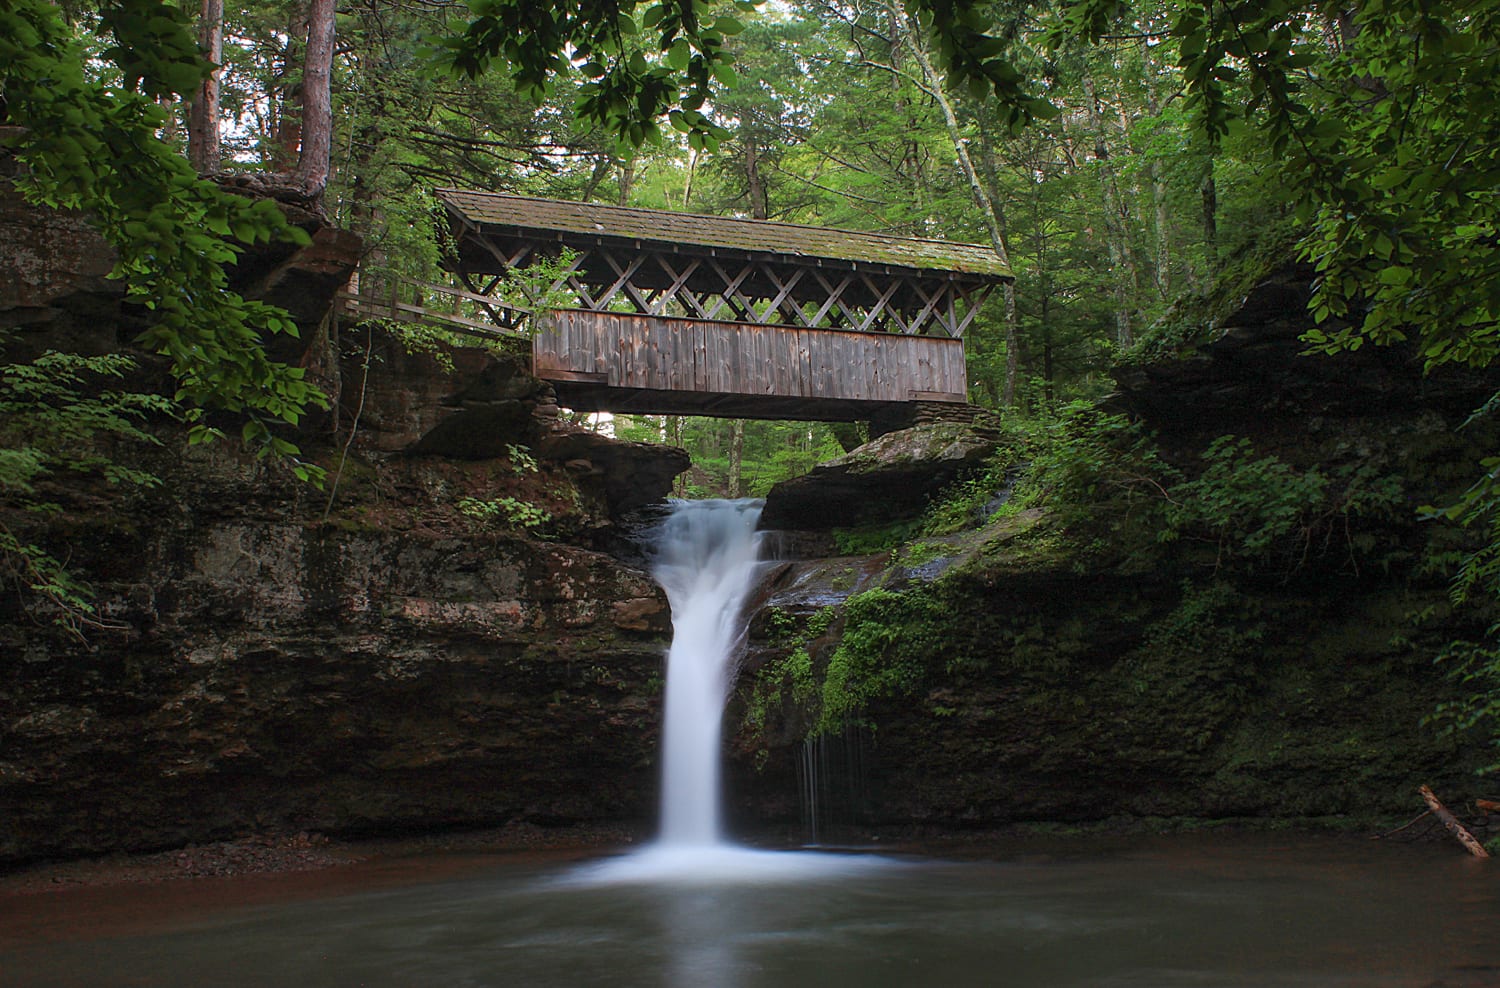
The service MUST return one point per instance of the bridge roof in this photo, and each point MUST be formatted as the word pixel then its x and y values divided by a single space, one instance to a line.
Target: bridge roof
pixel 551 217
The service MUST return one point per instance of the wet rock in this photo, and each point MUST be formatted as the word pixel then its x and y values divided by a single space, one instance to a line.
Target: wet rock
pixel 887 478
pixel 642 614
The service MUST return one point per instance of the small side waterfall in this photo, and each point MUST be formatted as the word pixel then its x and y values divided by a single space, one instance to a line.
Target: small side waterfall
pixel 706 561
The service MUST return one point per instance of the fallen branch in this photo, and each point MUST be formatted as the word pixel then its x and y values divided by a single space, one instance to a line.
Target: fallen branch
pixel 1451 822
pixel 1487 805
pixel 1406 826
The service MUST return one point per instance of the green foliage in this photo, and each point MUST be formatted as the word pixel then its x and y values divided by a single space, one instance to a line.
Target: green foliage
pixel 512 511
pixel 641 61
pixel 92 145
pixel 60 423
pixel 1088 456
pixel 1478 507
pixel 1213 619
pixel 963 504
pixel 52 414
pixel 1474 669
pixel 869 539
pixel 889 642
pixel 1097 471
pixel 770 451
pixel 1256 508
pixel 31 568
pixel 1243 503
pixel 787 678
pixel 521 460
pixel 885 648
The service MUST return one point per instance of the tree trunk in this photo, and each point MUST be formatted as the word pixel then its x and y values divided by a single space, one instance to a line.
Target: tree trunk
pixel 1455 828
pixel 692 173
pixel 627 180
pixel 315 160
pixel 994 217
pixel 286 109
pixel 672 429
pixel 1121 263
pixel 737 458
pixel 1209 193
pixel 1049 370
pixel 1122 266
pixel 601 170
pixel 1163 233
pixel 759 207
pixel 203 117
pixel 1163 229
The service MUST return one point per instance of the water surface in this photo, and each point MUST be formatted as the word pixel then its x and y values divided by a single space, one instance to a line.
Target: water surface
pixel 1193 911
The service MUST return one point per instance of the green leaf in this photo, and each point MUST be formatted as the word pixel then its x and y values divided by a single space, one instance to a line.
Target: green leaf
pixel 1395 275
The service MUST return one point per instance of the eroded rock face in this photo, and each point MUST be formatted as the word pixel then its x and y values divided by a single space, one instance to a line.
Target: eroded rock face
pixel 384 670
pixel 889 477
pixel 372 657
pixel 53 285
pixel 1077 666
pixel 480 405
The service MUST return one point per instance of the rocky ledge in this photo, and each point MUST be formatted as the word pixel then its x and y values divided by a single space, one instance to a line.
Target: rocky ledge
pixel 890 477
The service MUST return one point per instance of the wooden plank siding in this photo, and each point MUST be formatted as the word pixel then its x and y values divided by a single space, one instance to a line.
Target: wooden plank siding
pixel 608 361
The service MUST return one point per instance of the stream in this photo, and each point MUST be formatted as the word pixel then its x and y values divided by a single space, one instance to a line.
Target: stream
pixel 1194 910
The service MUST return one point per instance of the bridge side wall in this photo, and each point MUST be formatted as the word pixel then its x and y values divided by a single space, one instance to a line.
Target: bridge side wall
pixel 654 353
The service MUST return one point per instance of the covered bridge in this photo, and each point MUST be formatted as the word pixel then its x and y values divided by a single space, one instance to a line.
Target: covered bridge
pixel 676 313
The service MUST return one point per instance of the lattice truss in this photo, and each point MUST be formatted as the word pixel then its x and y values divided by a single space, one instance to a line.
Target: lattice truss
pixel 763 290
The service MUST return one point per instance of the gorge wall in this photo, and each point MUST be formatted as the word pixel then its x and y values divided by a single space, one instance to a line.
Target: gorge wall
pixel 368 658
pixel 441 639
pixel 1122 647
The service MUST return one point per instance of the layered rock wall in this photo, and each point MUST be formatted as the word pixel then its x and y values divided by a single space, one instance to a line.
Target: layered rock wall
pixel 366 658
pixel 1081 661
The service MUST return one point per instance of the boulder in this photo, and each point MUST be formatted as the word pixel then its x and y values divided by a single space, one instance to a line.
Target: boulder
pixel 887 478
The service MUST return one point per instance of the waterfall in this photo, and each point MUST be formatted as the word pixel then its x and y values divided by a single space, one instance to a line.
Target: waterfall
pixel 706 560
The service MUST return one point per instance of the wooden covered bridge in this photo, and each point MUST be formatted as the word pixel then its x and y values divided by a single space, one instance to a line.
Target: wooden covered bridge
pixel 648 311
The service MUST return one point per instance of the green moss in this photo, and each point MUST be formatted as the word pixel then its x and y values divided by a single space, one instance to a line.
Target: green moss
pixel 889 643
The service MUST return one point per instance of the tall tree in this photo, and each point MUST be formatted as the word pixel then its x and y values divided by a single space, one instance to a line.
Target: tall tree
pixel 203 119
pixel 314 159
pixel 990 210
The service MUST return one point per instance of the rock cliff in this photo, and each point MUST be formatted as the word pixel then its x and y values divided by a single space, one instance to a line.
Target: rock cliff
pixel 432 641
pixel 1082 659
pixel 436 640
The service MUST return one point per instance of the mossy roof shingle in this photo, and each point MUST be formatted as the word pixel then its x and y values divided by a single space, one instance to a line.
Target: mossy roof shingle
pixel 659 226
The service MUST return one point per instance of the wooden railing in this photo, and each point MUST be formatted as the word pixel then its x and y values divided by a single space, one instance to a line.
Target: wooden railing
pixel 382 295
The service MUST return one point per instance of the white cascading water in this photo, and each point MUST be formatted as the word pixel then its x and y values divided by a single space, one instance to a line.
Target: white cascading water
pixel 707 559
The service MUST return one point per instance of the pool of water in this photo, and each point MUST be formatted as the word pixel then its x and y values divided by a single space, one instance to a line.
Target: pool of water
pixel 1188 911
